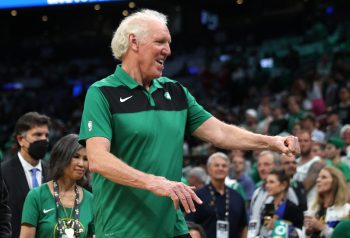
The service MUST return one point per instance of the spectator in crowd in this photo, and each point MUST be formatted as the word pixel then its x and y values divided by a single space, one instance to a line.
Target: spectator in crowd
pixel 333 155
pixel 238 165
pixel 309 124
pixel 197 177
pixel 343 107
pixel 5 212
pixel 330 205
pixel 345 135
pixel 295 111
pixel 26 171
pixel 135 166
pixel 267 161
pixel 251 120
pixel 306 158
pixel 342 229
pixel 220 203
pixel 279 123
pixel 289 165
pixel 296 128
pixel 310 181
pixel 253 171
pixel 324 65
pixel 333 124
pixel 317 149
pixel 61 207
pixel 277 184
pixel 263 124
pixel 196 230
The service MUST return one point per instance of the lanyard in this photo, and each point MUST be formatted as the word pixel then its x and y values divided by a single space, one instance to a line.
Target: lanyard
pixel 75 226
pixel 213 202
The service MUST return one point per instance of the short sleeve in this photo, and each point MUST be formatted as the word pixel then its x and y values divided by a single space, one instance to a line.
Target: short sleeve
pixel 31 208
pixel 96 119
pixel 197 115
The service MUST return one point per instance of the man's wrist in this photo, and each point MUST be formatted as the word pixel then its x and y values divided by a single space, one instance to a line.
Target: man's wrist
pixel 266 142
pixel 149 182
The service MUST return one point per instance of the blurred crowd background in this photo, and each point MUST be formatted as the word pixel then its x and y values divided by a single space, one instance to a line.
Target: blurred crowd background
pixel 242 60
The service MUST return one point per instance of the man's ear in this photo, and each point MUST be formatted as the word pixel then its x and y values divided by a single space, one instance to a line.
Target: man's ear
pixel 133 43
pixel 19 139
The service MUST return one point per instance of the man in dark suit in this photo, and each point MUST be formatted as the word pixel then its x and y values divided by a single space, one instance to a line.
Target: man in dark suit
pixel 5 212
pixel 26 170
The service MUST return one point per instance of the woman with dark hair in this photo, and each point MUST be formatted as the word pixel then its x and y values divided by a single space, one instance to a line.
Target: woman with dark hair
pixel 279 207
pixel 61 208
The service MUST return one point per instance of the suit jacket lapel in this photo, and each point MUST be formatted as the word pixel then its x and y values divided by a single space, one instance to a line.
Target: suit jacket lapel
pixel 45 174
pixel 19 176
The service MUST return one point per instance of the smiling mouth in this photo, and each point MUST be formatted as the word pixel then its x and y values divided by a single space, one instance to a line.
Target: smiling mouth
pixel 160 61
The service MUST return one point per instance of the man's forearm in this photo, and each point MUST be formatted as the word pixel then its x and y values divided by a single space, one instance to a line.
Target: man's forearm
pixel 230 137
pixel 116 170
pixel 238 138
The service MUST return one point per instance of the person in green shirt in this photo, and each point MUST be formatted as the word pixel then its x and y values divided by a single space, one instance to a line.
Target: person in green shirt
pixel 133 125
pixel 342 229
pixel 61 208
pixel 333 155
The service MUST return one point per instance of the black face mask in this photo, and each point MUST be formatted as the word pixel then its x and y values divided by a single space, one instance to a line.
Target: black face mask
pixel 38 149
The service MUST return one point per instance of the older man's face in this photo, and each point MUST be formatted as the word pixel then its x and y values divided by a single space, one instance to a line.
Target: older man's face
pixel 153 50
pixel 265 165
pixel 346 137
pixel 218 169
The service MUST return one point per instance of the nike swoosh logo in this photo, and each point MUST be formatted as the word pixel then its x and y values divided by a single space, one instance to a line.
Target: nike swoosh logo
pixel 48 210
pixel 124 99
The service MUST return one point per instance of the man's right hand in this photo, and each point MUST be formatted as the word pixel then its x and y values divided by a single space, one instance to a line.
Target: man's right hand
pixel 177 191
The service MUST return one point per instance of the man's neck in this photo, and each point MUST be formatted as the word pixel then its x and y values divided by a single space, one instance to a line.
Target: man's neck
pixel 336 159
pixel 135 72
pixel 306 158
pixel 219 185
pixel 28 158
pixel 238 175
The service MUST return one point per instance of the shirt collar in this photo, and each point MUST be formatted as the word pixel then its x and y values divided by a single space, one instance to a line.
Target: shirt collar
pixel 27 166
pixel 128 81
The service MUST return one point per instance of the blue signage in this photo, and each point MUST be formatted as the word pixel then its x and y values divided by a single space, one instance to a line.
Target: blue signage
pixel 36 3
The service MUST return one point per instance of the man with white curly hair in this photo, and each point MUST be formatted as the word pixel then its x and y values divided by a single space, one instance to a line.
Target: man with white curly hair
pixel 133 125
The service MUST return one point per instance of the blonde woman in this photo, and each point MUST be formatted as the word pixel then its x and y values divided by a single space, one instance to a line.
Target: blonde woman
pixel 330 205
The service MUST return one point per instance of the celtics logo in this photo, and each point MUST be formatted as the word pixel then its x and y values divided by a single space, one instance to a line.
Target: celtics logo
pixel 68 228
pixel 167 95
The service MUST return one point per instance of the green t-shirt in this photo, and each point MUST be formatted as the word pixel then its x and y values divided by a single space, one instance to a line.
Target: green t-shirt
pixel 344 168
pixel 146 130
pixel 39 210
pixel 342 229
